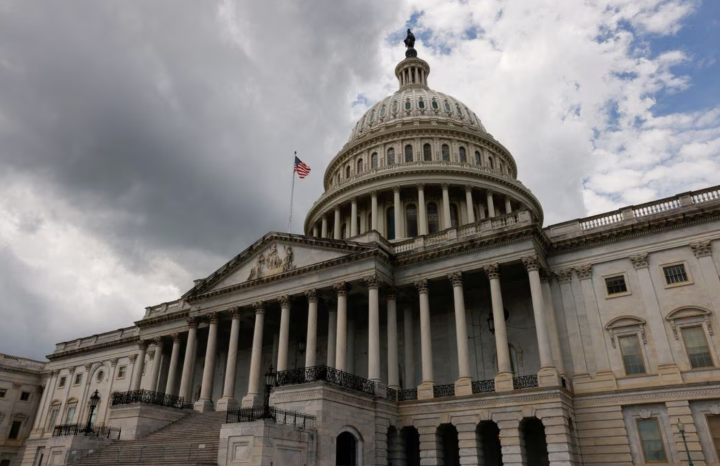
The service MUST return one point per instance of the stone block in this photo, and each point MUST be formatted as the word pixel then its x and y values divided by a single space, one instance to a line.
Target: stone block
pixel 548 377
pixel 669 374
pixel 204 406
pixel 138 420
pixel 425 391
pixel 504 382
pixel 226 404
pixel 463 387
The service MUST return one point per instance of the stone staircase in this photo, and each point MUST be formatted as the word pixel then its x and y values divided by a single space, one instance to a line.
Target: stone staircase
pixel 192 440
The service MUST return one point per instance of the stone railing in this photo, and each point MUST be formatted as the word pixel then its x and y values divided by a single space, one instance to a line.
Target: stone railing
pixel 21 363
pixel 96 339
pixel 163 308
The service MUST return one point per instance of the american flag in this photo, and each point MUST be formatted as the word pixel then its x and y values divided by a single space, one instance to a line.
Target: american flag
pixel 301 168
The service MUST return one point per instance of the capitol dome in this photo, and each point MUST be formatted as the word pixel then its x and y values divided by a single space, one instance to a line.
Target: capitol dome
pixel 417 162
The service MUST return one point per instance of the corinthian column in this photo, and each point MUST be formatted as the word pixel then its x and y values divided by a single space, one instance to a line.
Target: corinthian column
pixel 205 402
pixel 138 367
pixel 463 385
pixel 353 218
pixel 422 210
pixel 548 376
pixel 311 340
pixel 373 211
pixel 490 204
pixel 341 346
pixel 155 377
pixel 393 377
pixel 172 370
pixel 253 397
pixel 397 210
pixel 323 227
pixel 470 205
pixel 228 401
pixel 336 225
pixel 284 333
pixel 408 348
pixel 187 372
pixel 373 329
pixel 504 378
pixel 425 390
pixel 446 206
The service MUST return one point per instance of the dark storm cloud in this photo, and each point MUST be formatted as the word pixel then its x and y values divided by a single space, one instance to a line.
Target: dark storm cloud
pixel 168 133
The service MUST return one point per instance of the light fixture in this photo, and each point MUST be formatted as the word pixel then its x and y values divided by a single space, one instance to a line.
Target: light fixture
pixel 681 428
pixel 94 400
pixel 301 348
pixel 491 323
pixel 270 379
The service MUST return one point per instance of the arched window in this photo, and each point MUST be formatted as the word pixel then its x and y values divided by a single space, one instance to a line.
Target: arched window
pixel 411 439
pixel 421 104
pixel 374 160
pixel 446 152
pixel 70 411
pixel 427 153
pixel 382 111
pixel 346 450
pixel 478 160
pixel 93 418
pixel 453 215
pixel 432 218
pixel 359 166
pixel 390 223
pixel 490 162
pixel 459 111
pixel 463 155
pixel 390 156
pixel 411 220
pixel 490 448
pixel 447 107
pixel 408 104
pixel 434 104
pixel 52 417
pixel 448 444
pixel 347 172
pixel 533 442
pixel 372 116
pixel 408 154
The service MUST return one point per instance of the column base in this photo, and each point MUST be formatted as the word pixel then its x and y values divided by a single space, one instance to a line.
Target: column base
pixel 603 381
pixel 463 386
pixel 204 406
pixel 425 391
pixel 548 377
pixel 669 374
pixel 226 404
pixel 504 382
pixel 252 399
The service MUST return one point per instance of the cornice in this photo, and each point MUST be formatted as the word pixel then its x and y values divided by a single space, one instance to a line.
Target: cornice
pixel 20 370
pixel 92 348
pixel 475 401
pixel 169 317
pixel 649 395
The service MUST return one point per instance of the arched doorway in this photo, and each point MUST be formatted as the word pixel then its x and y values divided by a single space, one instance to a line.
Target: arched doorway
pixel 411 440
pixel 346 450
pixel 490 451
pixel 533 442
pixel 448 445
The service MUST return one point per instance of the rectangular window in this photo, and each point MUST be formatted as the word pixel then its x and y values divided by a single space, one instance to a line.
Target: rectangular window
pixel 24 396
pixel 632 355
pixel 61 384
pixel 122 370
pixel 616 285
pixel 3 392
pixel 675 274
pixel 53 417
pixel 15 430
pixel 651 439
pixel 714 426
pixel 78 379
pixel 697 347
pixel 70 414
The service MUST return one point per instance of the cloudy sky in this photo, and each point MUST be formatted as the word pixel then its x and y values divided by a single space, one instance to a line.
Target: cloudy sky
pixel 145 142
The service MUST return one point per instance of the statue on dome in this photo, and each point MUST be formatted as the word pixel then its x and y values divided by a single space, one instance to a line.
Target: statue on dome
pixel 410 44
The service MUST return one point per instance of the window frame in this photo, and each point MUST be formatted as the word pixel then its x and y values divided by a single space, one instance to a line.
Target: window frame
pixel 118 376
pixel 693 316
pixel 27 400
pixel 77 379
pixel 408 223
pixel 627 325
pixel 444 153
pixel 642 443
pixel 411 153
pixel 3 393
pixel 62 381
pixel 427 157
pixel 707 345
pixel 13 423
pixel 627 292
pixel 642 354
pixel 689 280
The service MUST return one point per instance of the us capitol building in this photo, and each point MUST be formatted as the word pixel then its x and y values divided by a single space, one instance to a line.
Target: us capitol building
pixel 426 317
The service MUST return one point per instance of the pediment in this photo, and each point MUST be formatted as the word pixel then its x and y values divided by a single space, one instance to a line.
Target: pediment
pixel 624 321
pixel 685 312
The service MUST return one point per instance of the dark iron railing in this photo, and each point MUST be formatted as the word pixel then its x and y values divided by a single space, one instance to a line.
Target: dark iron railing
pixel 407 395
pixel 277 415
pixel 525 381
pixel 440 391
pixel 148 397
pixel 326 374
pixel 483 386
pixel 81 429
pixel 392 394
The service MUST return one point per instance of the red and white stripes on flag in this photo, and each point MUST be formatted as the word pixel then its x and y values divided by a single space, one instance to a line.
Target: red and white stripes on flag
pixel 301 168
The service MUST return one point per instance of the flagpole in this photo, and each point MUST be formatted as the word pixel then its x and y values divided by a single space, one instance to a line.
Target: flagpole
pixel 292 195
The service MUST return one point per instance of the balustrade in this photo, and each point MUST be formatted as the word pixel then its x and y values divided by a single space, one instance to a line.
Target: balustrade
pixel 273 414
pixel 148 397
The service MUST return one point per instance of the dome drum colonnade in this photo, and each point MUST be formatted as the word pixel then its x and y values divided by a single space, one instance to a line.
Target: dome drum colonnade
pixel 337 333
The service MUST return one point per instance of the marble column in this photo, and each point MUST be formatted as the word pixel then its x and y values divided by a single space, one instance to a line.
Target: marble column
pixel 188 363
pixel 508 206
pixel 446 206
pixel 336 225
pixel 579 363
pixel 172 370
pixel 254 395
pixel 422 210
pixel 397 210
pixel 353 218
pixel 205 402
pixel 704 255
pixel 332 338
pixel 547 376
pixel 490 204
pixel 315 231
pixel 470 205
pixel 392 338
pixel 156 364
pixel 373 328
pixel 463 385
pixel 350 362
pixel 341 345
pixel 311 339
pixel 228 401
pixel 284 333
pixel 323 227
pixel 425 390
pixel 43 400
pixel 504 378
pixel 552 323
pixel 137 367
pixel 408 347
pixel 373 211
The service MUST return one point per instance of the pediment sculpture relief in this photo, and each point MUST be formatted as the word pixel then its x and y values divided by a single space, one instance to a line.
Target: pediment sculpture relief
pixel 273 263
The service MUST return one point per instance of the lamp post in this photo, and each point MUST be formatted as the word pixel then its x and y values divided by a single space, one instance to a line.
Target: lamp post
pixel 270 378
pixel 301 348
pixel 681 428
pixel 94 400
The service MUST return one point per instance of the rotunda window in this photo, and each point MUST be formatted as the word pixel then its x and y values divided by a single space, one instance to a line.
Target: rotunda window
pixel 390 156
pixel 459 111
pixel 372 116
pixel 432 218
pixel 490 162
pixel 360 166
pixel 446 152
pixel 408 104
pixel 434 104
pixel 421 104
pixel 382 111
pixel 477 158
pixel 453 215
pixel 390 222
pixel 374 160
pixel 408 154
pixel 395 106
pixel 347 172
pixel 427 153
pixel 463 155
pixel 447 107
pixel 411 220
pixel 100 376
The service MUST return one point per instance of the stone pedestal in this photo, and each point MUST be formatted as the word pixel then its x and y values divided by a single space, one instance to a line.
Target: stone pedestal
pixel 226 404
pixel 251 400
pixel 425 391
pixel 669 374
pixel 504 382
pixel 603 381
pixel 265 443
pixel 463 386
pixel 548 377
pixel 137 420
pixel 203 406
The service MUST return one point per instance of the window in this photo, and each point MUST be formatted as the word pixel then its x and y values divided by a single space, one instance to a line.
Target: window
pixel 651 439
pixel 61 384
pixel 390 156
pixel 632 354
pixel 408 154
pixel 411 219
pixel 459 112
pixel 70 414
pixel 432 218
pixel 94 413
pixel 78 379
pixel 382 111
pixel 390 222
pixel 408 104
pixel 359 166
pixel 697 347
pixel 490 162
pixel 463 155
pixel 100 376
pixel 447 107
pixel 714 427
pixel 24 396
pixel 395 106
pixel 122 370
pixel 513 361
pixel 374 160
pixel 446 152
pixel 427 153
pixel 478 159
pixel 3 392
pixel 15 430
pixel 434 104
pixel 421 104
pixel 615 285
pixel 675 274
pixel 347 172
pixel 453 215
pixel 54 411
pixel 372 116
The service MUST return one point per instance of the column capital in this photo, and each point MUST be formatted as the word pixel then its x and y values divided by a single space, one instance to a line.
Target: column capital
pixel 372 282
pixel 354 200
pixel 341 288
pixel 235 312
pixel 113 362
pixel 420 186
pixel 531 263
pixel 640 261
pixel 456 278
pixel 563 275
pixel 312 296
pixel 284 300
pixel 468 188
pixel 151 354
pixel 142 345
pixel 374 193
pixel 584 271
pixel 157 341
pixel 259 307
pixel 445 185
pixel 701 248
pixel 175 337
pixel 545 275
pixel 396 189
pixel 337 208
pixel 133 357
pixel 71 370
pixel 88 367
pixel 392 293
pixel 492 271
pixel 213 317
pixel 192 322
pixel 422 286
